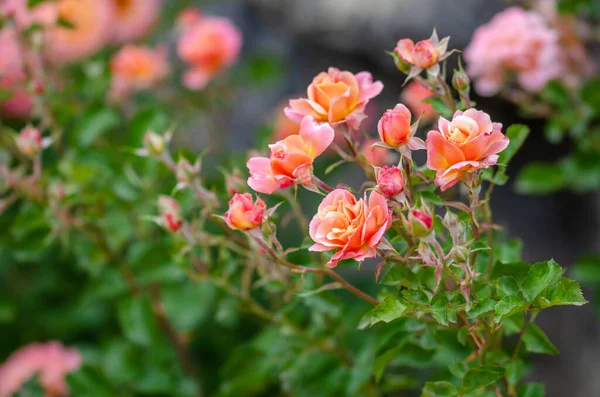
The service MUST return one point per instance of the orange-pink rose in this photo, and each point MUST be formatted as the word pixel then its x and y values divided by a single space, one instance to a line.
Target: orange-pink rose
pixel 137 68
pixel 423 55
pixel 352 227
pixel 133 18
pixel 390 181
pixel 51 362
pixel 92 23
pixel 291 159
pixel 414 95
pixel 467 143
pixel 208 47
pixel 336 97
pixel 243 213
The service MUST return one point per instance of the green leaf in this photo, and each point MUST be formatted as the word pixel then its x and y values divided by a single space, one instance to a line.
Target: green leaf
pixel 137 321
pixel 536 341
pixel 517 270
pixel 87 382
pixel 514 372
pixel 480 307
pixel 591 94
pixel 416 297
pixel 430 197
pixel 587 270
pixel 482 376
pixel 541 179
pixel 388 310
pixel 462 336
pixel 439 309
pixel 399 275
pixel 508 306
pixel 507 286
pixel 479 246
pixel 532 390
pixel 540 276
pixel 439 389
pixel 93 125
pixel 517 133
pixel 565 292
pixel 458 368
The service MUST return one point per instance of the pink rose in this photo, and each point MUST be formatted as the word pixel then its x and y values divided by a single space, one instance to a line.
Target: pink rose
pixel 189 17
pixel 467 143
pixel 133 18
pixel 51 362
pixel 423 55
pixel 137 68
pixel 92 22
pixel 13 77
pixel 414 95
pixel 284 127
pixel 243 213
pixel 352 227
pixel 291 159
pixel 395 129
pixel 515 41
pixel 336 97
pixel 208 47
pixel 29 141
pixel 390 181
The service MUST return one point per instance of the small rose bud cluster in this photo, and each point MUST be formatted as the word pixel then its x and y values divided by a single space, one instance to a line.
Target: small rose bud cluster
pixel 170 216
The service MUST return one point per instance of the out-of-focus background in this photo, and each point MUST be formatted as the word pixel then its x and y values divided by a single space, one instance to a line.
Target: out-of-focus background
pixel 305 37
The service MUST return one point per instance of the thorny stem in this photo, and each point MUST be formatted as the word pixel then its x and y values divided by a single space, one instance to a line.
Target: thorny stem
pixel 328 272
pixel 322 185
pixel 447 97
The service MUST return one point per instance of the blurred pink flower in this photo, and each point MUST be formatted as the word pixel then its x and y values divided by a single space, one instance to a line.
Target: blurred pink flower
pixel 352 227
pixel 336 97
pixel 208 47
pixel 189 17
pixel 93 23
pixel 514 41
pixel 133 19
pixel 470 141
pixel 291 159
pixel 13 77
pixel 136 68
pixel 283 126
pixel 414 96
pixel 51 361
pixel 376 156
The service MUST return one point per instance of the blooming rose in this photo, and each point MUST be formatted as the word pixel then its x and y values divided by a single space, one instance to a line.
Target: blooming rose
pixel 291 159
pixel 353 227
pixel 516 41
pixel 390 181
pixel 336 97
pixel 51 362
pixel 137 68
pixel 467 143
pixel 133 18
pixel 169 213
pixel 243 213
pixel 92 23
pixel 208 47
pixel 414 95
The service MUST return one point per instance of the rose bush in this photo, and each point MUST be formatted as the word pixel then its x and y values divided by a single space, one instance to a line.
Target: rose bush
pixel 166 278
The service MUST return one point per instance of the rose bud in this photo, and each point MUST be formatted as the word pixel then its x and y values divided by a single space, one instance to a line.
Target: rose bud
pixel 423 55
pixel 170 213
pixel 29 141
pixel 420 222
pixel 460 80
pixel 394 126
pixel 459 253
pixel 243 213
pixel 390 181
pixel 154 143
pixel 185 172
pixel 452 222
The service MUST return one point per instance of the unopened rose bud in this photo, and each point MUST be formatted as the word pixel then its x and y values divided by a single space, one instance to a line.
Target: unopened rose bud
pixel 459 253
pixel 185 172
pixel 243 213
pixel 170 213
pixel 390 181
pixel 29 141
pixel 154 143
pixel 394 126
pixel 460 80
pixel 420 222
pixel 235 183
